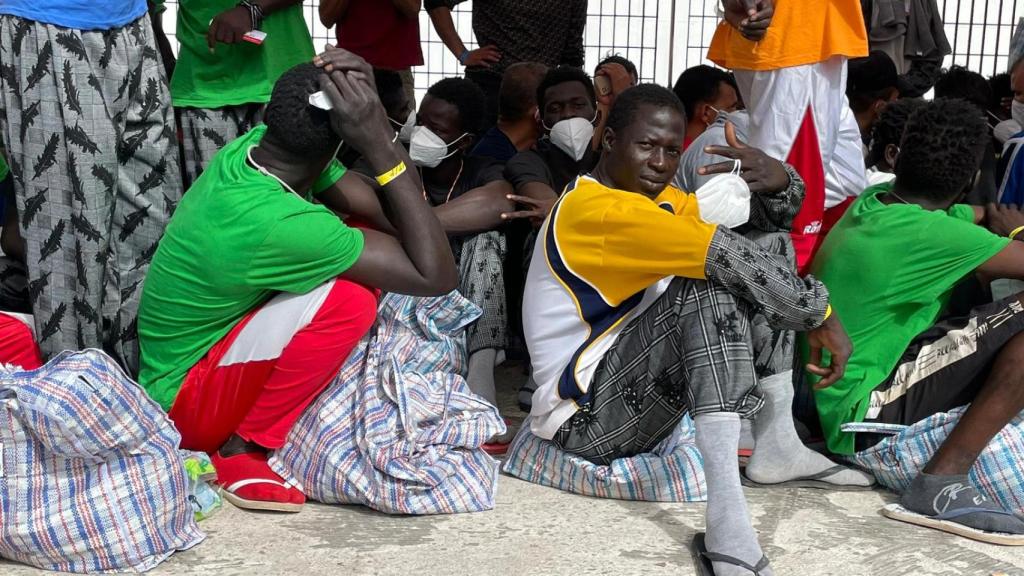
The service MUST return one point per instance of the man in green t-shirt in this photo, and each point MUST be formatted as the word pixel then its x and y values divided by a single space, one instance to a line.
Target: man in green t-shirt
pixel 257 295
pixel 890 266
pixel 223 77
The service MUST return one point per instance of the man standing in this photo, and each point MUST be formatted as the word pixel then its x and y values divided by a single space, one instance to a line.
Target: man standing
pixel 90 134
pixel 385 33
pixel 223 77
pixel 793 85
pixel 510 31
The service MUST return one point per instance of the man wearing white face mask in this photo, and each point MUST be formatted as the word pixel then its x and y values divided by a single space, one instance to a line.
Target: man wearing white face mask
pixel 567 112
pixel 468 193
pixel 1010 172
pixel 707 93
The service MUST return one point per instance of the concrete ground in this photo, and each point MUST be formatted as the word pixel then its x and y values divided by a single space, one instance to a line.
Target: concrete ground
pixel 541 531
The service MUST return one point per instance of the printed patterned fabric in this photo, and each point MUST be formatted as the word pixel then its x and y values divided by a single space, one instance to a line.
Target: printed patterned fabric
pixel 896 460
pixel 482 282
pixel 90 138
pixel 206 131
pixel 398 430
pixel 91 477
pixel 672 472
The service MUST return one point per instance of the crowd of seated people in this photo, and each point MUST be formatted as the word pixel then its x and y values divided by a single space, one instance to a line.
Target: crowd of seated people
pixel 592 220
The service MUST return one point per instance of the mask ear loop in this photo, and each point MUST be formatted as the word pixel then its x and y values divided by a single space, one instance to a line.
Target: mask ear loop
pixel 737 167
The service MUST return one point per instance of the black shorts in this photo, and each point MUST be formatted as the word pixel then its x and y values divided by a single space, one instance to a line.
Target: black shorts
pixel 945 366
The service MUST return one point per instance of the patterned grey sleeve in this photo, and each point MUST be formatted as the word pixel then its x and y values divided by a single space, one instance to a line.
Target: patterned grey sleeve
pixel 750 273
pixel 775 212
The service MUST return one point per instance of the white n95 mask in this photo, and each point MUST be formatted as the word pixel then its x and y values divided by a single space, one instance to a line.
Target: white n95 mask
pixel 1005 130
pixel 405 129
pixel 725 199
pixel 572 136
pixel 1017 111
pixel 427 149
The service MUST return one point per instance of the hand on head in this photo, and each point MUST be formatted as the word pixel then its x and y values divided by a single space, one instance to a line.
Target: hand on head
pixel 357 114
pixel 762 173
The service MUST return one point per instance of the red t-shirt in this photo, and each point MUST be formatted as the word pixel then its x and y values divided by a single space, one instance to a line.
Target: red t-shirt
pixel 375 30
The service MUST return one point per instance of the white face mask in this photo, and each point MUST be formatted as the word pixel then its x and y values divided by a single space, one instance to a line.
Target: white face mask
pixel 725 199
pixel 405 129
pixel 1005 130
pixel 718 114
pixel 572 136
pixel 1017 111
pixel 427 149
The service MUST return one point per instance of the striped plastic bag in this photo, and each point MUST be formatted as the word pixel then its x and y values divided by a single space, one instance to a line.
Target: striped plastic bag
pixel 398 429
pixel 90 475
pixel 896 460
pixel 672 472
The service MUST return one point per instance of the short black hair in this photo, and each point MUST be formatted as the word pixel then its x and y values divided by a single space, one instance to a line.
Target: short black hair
pixel 292 122
pixel 622 61
pixel 959 82
pixel 890 125
pixel 941 149
pixel 467 97
pixel 702 83
pixel 999 84
pixel 389 88
pixel 518 92
pixel 561 74
pixel 624 110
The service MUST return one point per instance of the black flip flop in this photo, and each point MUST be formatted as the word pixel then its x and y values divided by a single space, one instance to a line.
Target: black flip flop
pixel 703 558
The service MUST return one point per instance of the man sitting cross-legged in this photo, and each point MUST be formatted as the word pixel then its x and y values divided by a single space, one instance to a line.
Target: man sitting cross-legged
pixel 637 312
pixel 891 265
pixel 256 295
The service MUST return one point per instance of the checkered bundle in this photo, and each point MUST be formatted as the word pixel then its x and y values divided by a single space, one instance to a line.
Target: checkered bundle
pixel 672 472
pixel 398 429
pixel 90 476
pixel 896 460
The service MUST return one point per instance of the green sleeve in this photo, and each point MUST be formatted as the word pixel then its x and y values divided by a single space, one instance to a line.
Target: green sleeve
pixel 304 250
pixel 962 212
pixel 946 251
pixel 3 167
pixel 334 171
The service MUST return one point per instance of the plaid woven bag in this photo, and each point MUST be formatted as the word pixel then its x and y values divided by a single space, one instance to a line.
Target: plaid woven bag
pixel 896 460
pixel 90 476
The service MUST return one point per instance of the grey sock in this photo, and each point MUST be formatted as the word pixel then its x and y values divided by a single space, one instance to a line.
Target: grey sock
pixel 481 374
pixel 932 495
pixel 729 530
pixel 779 455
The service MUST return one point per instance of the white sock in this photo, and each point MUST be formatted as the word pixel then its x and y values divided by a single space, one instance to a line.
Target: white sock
pixel 779 455
pixel 481 374
pixel 729 531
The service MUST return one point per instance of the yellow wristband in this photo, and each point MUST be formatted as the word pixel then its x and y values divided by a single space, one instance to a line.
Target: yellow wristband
pixel 828 312
pixel 1013 235
pixel 386 178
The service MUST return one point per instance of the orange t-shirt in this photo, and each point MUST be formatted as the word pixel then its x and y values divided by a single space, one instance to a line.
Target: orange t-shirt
pixel 801 32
